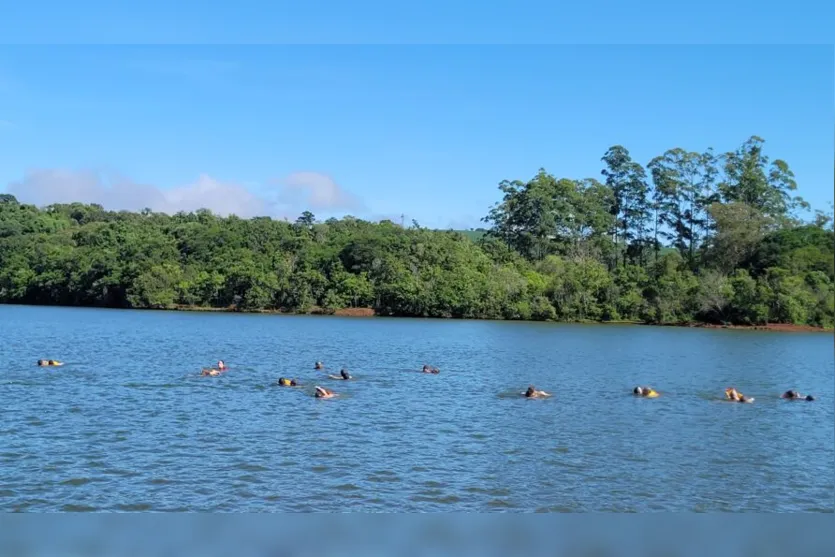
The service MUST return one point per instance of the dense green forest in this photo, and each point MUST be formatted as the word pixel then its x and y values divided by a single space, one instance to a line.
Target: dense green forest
pixel 687 237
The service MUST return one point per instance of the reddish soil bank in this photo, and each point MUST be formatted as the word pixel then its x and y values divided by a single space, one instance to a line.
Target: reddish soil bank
pixel 782 327
pixel 355 312
pixel 369 312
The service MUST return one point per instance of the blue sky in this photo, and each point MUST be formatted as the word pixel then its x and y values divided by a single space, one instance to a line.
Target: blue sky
pixel 383 130
pixel 417 21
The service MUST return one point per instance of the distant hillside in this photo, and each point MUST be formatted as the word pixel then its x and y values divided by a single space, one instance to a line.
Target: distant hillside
pixel 473 235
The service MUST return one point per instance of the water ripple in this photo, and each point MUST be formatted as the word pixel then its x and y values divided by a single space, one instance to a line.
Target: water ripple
pixel 129 425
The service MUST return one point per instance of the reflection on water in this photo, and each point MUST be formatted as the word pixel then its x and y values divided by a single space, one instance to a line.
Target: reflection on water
pixel 128 423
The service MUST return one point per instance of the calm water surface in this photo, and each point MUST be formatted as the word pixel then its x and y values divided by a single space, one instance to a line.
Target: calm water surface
pixel 128 424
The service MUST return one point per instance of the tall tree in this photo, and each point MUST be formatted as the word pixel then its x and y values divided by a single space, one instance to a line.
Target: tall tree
pixel 527 217
pixel 683 189
pixel 594 221
pixel 751 178
pixel 548 215
pixel 824 219
pixel 524 218
pixel 631 208
pixel 306 219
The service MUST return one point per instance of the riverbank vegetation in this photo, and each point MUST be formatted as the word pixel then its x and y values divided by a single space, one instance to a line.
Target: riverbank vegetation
pixel 689 237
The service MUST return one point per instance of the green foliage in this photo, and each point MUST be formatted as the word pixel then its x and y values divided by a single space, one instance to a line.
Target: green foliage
pixel 751 179
pixel 695 246
pixel 739 230
pixel 747 301
pixel 683 192
pixel 547 216
pixel 671 297
pixel 799 249
pixel 630 203
pixel 156 287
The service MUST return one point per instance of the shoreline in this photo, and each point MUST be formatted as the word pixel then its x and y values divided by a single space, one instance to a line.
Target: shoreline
pixel 774 327
pixel 344 312
pixel 370 312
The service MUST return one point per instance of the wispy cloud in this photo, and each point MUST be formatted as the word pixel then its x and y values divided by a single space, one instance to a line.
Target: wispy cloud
pixel 316 192
pixel 294 194
pixel 46 186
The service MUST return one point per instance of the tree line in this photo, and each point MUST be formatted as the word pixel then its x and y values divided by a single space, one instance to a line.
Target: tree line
pixel 689 237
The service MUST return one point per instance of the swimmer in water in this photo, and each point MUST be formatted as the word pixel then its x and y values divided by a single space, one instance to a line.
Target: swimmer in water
pixel 214 372
pixel 533 393
pixel 735 396
pixel 430 369
pixel 284 382
pixel 322 392
pixel 319 365
pixel 49 363
pixel 647 392
pixel 794 395
pixel 343 374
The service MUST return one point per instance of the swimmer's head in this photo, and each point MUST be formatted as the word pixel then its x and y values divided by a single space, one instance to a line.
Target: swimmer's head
pixel 344 374
pixel 809 398
pixel 530 392
pixel 638 390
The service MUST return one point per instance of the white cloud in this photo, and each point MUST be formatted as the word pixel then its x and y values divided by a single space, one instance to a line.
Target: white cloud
pixel 287 198
pixel 316 192
pixel 47 186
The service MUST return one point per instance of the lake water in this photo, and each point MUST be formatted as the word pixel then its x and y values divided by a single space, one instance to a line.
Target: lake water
pixel 128 424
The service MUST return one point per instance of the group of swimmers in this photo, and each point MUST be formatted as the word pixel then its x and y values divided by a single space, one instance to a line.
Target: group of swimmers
pixel 731 394
pixel 319 392
pixel 735 396
pixel 322 392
